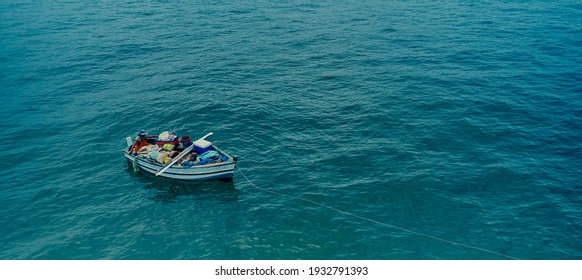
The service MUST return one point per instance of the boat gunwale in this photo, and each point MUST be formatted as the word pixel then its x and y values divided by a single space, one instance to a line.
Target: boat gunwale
pixel 200 168
pixel 152 162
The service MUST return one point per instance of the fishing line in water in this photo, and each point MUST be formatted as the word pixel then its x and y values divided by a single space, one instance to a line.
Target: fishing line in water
pixel 376 222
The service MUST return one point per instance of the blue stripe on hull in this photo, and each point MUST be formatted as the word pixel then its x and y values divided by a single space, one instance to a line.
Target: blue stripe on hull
pixel 223 171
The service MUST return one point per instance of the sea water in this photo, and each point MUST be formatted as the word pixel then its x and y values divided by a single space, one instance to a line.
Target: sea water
pixel 358 125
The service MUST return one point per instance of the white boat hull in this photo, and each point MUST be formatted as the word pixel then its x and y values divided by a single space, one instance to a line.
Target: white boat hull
pixel 210 171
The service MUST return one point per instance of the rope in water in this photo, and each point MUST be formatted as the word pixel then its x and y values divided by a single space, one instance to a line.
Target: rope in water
pixel 377 222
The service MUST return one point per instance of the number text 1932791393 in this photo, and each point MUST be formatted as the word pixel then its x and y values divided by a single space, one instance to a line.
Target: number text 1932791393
pixel 338 270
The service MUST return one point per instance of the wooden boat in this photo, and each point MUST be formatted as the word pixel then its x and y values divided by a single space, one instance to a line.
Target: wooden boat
pixel 223 170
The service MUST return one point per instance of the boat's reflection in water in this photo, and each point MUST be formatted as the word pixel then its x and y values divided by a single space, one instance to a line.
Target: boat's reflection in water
pixel 170 190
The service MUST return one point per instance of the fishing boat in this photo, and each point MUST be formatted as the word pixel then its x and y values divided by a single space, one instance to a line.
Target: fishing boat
pixel 218 165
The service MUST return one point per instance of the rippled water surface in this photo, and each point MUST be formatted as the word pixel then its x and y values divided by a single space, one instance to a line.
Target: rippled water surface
pixel 462 121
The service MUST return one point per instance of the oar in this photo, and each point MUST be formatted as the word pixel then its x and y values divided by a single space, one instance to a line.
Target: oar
pixel 185 152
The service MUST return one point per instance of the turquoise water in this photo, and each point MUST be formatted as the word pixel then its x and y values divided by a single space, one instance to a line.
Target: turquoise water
pixel 462 121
